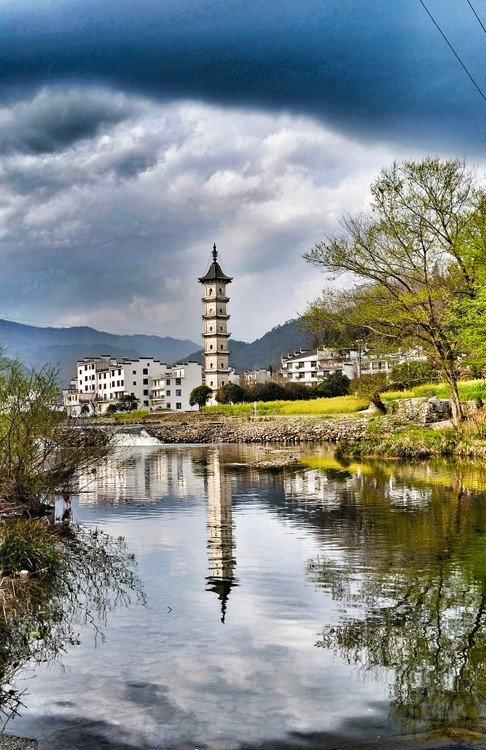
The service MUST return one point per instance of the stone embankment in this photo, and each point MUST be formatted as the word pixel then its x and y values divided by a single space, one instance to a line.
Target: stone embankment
pixel 290 430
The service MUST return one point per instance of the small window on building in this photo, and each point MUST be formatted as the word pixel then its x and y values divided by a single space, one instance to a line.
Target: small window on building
pixel 167 393
pixel 178 406
pixel 178 392
pixel 210 291
pixel 134 382
pixel 178 381
pixel 145 381
pixel 145 371
pixel 145 403
pixel 167 382
pixel 134 372
pixel 168 406
pixel 145 393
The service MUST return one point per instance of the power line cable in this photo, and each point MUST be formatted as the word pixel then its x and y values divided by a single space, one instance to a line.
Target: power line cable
pixel 474 11
pixel 452 49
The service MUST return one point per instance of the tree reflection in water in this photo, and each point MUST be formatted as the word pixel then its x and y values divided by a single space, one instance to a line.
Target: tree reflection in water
pixel 412 574
pixel 38 619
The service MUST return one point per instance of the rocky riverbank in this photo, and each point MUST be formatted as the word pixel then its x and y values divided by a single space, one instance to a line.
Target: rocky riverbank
pixel 288 431
pixel 413 428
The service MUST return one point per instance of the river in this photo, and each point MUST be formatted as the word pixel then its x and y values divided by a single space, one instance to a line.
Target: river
pixel 318 606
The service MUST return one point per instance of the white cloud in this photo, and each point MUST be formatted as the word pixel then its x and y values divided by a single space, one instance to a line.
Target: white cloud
pixel 122 212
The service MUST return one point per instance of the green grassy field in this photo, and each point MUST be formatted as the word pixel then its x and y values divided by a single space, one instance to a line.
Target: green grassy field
pixel 318 406
pixel 470 390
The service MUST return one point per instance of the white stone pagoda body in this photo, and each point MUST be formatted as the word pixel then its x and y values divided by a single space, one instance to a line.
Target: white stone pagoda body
pixel 215 327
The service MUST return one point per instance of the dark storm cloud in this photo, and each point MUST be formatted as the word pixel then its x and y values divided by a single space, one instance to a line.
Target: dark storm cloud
pixel 373 66
pixel 53 120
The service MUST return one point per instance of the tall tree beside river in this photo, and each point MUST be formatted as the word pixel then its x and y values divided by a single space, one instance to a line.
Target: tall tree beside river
pixel 418 253
pixel 40 452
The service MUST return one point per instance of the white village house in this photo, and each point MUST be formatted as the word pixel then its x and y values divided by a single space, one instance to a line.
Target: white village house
pixel 101 381
pixel 313 366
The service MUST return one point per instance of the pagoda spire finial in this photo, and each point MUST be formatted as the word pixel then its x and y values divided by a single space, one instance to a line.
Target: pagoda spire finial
pixel 215 253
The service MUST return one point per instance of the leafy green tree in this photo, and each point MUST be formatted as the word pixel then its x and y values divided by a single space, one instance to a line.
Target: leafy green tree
pixel 414 256
pixel 336 384
pixel 199 395
pixel 231 393
pixel 410 374
pixel 269 391
pixel 330 321
pixel 371 386
pixel 40 451
pixel 296 391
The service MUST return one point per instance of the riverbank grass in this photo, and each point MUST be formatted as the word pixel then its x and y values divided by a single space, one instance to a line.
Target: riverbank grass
pixel 127 416
pixel 469 390
pixel 27 544
pixel 314 407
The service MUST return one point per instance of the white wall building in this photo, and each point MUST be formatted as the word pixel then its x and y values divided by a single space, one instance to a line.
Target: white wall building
pixel 105 379
pixel 313 366
pixel 171 390
pixel 255 377
pixel 101 381
pixel 302 367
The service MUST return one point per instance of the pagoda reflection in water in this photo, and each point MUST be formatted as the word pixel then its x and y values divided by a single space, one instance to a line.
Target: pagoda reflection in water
pixel 221 561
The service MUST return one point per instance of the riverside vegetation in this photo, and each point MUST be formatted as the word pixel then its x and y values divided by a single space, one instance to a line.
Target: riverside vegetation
pixel 51 574
pixel 396 434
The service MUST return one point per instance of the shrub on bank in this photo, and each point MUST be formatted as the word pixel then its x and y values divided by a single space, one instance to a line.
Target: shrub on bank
pixel 27 544
pixel 40 451
pixel 390 438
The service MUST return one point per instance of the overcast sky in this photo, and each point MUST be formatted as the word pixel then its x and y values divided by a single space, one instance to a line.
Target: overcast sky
pixel 135 134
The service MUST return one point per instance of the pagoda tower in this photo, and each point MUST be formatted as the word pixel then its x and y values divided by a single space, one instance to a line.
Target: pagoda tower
pixel 215 326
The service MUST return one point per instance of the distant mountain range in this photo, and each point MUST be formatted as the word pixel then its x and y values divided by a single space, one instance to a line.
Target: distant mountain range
pixel 63 346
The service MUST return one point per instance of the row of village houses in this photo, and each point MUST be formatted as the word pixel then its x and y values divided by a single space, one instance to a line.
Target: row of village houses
pixel 101 381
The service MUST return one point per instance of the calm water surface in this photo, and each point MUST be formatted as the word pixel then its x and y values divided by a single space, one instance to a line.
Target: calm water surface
pixel 302 608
